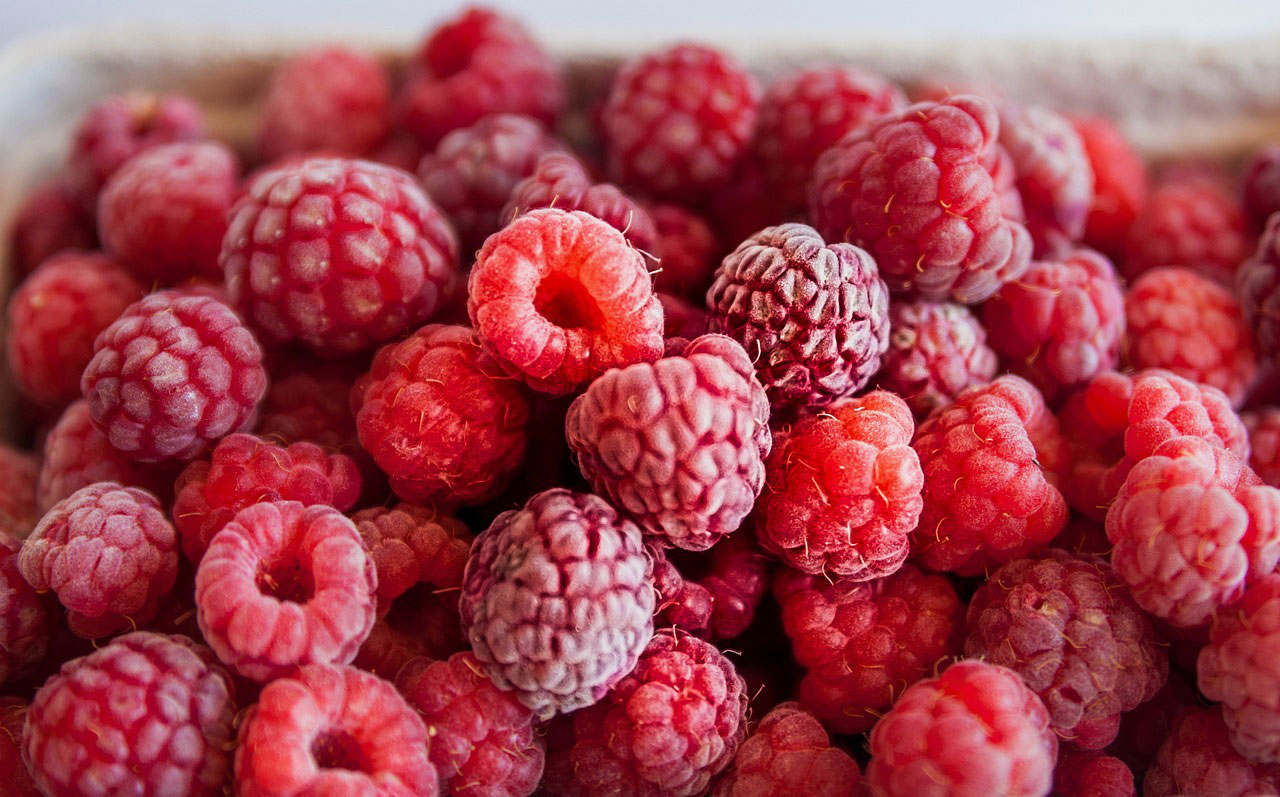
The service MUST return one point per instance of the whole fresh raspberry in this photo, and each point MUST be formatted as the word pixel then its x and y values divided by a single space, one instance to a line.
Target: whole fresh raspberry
pixel 309 401
pixel 1264 443
pixel 108 552
pixel 1191 325
pixel 677 121
pixel 24 623
pixel 13 771
pixel 1144 729
pixel 411 545
pixel 1119 183
pixel 440 418
pixel 1262 185
pixel 421 623
pixel 936 350
pixel 974 730
pixel 284 585
pixel 326 729
pixel 843 490
pixel 19 473
pixel 789 752
pixel 1054 175
pixel 557 600
pixel 50 219
pixel 668 727
pixel 681 319
pixel 1198 758
pixel 712 595
pixel 1091 774
pixel 54 317
pixel 559 297
pixel 146 714
pixel 1258 286
pixel 340 255
pixel 1191 220
pixel 687 249
pixel 862 643
pixel 915 189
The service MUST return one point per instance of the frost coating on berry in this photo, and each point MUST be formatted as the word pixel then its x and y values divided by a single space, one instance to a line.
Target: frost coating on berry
pixel 1258 285
pixel 1264 443
pixel 789 753
pixel 1054 176
pixel 687 247
pixel 49 220
pixel 330 99
pixel 936 350
pixel 1190 220
pixel 1119 183
pixel 411 545
pixel 24 624
pixel 1198 758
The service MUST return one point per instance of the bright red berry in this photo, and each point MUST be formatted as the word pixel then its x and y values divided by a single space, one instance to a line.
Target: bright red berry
pixel 789 752
pixel 1119 183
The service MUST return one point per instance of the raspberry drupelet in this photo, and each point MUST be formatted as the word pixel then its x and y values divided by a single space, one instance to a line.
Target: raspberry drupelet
pixel 1198 758
pixel 24 622
pixel 1054 175
pixel 49 220
pixel 410 545
pixel 13 770
pixel 936 350
pixel 1262 185
pixel 1258 286
pixel 1091 774
pixel 1264 443
pixel 687 248
pixel 1192 220
pixel 1120 183
pixel 789 753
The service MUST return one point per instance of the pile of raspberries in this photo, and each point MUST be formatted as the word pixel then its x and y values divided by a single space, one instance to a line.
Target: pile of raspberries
pixel 460 434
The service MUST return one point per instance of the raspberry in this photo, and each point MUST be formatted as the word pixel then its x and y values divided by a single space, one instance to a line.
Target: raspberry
pixel 557 600
pixel 54 317
pixel 974 730
pixel 49 220
pixel 668 728
pixel 843 490
pixel 24 624
pixel 1145 728
pixel 422 623
pixel 861 644
pixel 745 205
pixel 410 545
pixel 340 255
pixel 13 772
pixel 1262 185
pixel 1258 285
pixel 1188 324
pixel 482 739
pixel 683 603
pixel 1091 774
pixel 1067 625
pixel 915 189
pixel 677 121
pixel 440 418
pixel 1264 443
pixel 988 498
pixel 935 351
pixel 1198 758
pixel 108 552
pixel 1119 183
pixel 401 150
pixel 1190 220
pixel 1054 175
pixel 146 714
pixel 325 729
pixel 285 585
pixel 678 445
pixel 712 596
pixel 789 753
pixel 680 319
pixel 19 472
pixel 175 372
pixel 310 402
pixel 560 297
pixel 688 249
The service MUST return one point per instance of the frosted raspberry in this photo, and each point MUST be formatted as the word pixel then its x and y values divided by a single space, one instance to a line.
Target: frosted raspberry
pixel 1262 185
pixel 1190 220
pixel 676 121
pixel 1119 183
pixel 108 552
pixel 687 247
pixel 146 714
pixel 1264 443
pixel 1054 175
pixel 789 753
pixel 974 730
pixel 1091 774
pixel 440 418
pixel 284 585
pixel 915 189
pixel 13 771
pixel 1258 285
pixel 421 623
pixel 411 545
pixel 1198 758
pixel 557 600
pixel 935 351
pixel 19 512
pixel 680 319
pixel 712 595
pixel 325 729
pixel 49 220
pixel 24 624
pixel 338 254
pixel 861 644
pixel 560 297
pixel 309 401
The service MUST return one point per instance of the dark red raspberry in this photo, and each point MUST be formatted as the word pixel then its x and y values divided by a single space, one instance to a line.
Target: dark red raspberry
pixel 1144 729
pixel 1264 443
pixel 338 254
pixel 411 545
pixel 401 150
pixel 13 771
pixel 173 374
pixel 677 121
pixel 284 585
pixel 1054 175
pixel 333 730
pixel 713 595
pixel 683 604
pixel 1198 758
pixel 558 601
pixel 1262 185
pixel 560 297
pixel 146 714
pixel 1091 774
pixel 935 351
pixel 421 623
pixel 789 753
pixel 745 205
pixel 1083 536
pixel 19 472
pixel 309 401
pixel 1258 285
pixel 24 624
pixel 915 189
pixel 50 219
pixel 1119 183
pixel 687 249
pixel 1193 220
pixel 680 319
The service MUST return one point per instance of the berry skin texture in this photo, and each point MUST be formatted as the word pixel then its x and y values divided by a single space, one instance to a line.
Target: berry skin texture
pixel 440 418
pixel 1198 758
pixel 974 730
pixel 557 600
pixel 1054 175
pixel 559 297
pixel 110 555
pixel 284 585
pixel 1091 774
pixel 49 220
pixel 915 189
pixel 411 545
pixel 688 247
pixel 326 729
pixel 1262 185
pixel 789 753
pixel 936 350
pixel 13 771
pixel 146 714
pixel 24 623
pixel 1258 286
pixel 678 445
pixel 1190 220
pixel 1120 183
pixel 1264 443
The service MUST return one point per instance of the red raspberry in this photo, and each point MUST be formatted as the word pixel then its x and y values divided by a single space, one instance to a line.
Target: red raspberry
pixel 843 490
pixel 1198 758
pixel 1191 220
pixel 688 249
pixel 935 351
pixel 1091 774
pixel 745 205
pixel 13 771
pixel 333 730
pixel 915 189
pixel 680 319
pixel 1264 443
pixel 560 297
pixel 483 742
pixel 49 220
pixel 1083 536
pixel 411 545
pixel 440 418
pixel 284 585
pixel 110 555
pixel 862 644
pixel 668 728
pixel 714 595
pixel 1144 729
pixel 1258 285
pixel 974 730
pixel 338 254
pixel 789 753
pixel 54 317
pixel 557 600
pixel 1188 324
pixel 1054 175
pixel 988 497
pixel 146 714
pixel 24 624
pixel 19 471
pixel 1262 185
pixel 174 373
pixel 1119 183
pixel 309 401
pixel 683 604
pixel 421 623
pixel 677 121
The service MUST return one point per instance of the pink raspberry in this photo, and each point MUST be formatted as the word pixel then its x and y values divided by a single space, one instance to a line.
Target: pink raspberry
pixel 1119 183
pixel 935 351
pixel 789 752
pixel 559 297
pixel 687 249
pixel 326 729
pixel 1191 220
pixel 974 730
pixel 843 490
pixel 340 255
pixel 1054 175
pixel 13 770
pixel 411 545
pixel 713 595
pixel 1264 443
pixel 1258 286
pixel 1198 758
pixel 1262 185
pixel 50 219
pixel 680 319
pixel 285 585
pixel 916 190
pixel 24 624
pixel 146 714
pixel 557 600
pixel 19 471
pixel 1091 774
pixel 108 552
